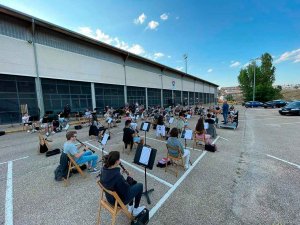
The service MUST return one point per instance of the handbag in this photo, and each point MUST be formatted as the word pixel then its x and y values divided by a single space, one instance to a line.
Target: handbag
pixel 210 148
pixel 142 218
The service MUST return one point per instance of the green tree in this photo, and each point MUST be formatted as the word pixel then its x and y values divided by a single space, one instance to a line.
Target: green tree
pixel 264 79
pixel 229 97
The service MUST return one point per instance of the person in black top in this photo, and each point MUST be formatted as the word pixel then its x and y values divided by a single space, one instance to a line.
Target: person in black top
pixel 209 119
pixel 128 134
pixel 112 179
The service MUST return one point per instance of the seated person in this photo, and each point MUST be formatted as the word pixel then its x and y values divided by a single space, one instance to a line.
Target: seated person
pixel 112 179
pixel 26 122
pixel 96 128
pixel 200 131
pixel 88 115
pixel 209 119
pixel 86 156
pixel 129 134
pixel 174 141
pixel 160 128
pixel 181 123
pixel 44 121
pixel 231 114
pixel 43 144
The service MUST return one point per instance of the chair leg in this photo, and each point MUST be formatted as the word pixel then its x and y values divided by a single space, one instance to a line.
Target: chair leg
pixel 99 213
pixel 69 170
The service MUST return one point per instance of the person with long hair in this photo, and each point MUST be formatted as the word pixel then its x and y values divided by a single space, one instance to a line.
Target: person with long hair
pixel 112 179
pixel 200 131
pixel 174 141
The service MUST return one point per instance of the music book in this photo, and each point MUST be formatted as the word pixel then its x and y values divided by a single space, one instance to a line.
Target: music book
pixel 133 125
pixel 104 139
pixel 188 116
pixel 171 120
pixel 187 134
pixel 145 155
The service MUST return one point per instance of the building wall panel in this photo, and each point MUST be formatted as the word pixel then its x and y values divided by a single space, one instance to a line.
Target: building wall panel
pixel 16 57
pixel 60 64
pixel 168 78
pixel 199 86
pixel 142 78
pixel 188 84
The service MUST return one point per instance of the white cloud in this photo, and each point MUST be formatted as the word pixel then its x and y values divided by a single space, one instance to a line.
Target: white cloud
pixel 289 56
pixel 164 16
pixel 209 70
pixel 136 49
pixel 152 25
pixel 177 18
pixel 235 64
pixel 141 19
pixel 246 64
pixel 169 57
pixel 101 36
pixel 158 55
pixel 179 68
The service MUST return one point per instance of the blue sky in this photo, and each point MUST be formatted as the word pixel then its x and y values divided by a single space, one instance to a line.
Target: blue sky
pixel 220 37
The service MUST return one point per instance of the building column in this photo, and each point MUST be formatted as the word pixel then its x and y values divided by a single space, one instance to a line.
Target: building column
pixel 125 94
pixel 181 90
pixel 38 85
pixel 146 92
pixel 93 95
pixel 188 98
pixel 162 87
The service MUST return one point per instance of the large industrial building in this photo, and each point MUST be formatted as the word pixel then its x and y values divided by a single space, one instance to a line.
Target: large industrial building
pixel 46 66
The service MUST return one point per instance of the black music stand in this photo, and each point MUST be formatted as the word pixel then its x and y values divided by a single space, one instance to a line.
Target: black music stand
pixel 145 157
pixel 187 135
pixel 145 126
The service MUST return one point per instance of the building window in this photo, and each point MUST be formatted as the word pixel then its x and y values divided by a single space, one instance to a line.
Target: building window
pixel 154 97
pixel 167 98
pixel 177 97
pixel 136 95
pixel 109 95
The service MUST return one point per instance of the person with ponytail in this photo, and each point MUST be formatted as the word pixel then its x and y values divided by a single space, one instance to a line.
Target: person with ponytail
pixel 112 179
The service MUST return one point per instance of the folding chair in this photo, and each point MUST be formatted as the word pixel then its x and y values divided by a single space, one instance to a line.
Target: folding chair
pixel 73 164
pixel 113 209
pixel 197 140
pixel 173 159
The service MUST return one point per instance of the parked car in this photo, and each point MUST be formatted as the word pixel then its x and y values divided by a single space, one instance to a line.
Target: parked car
pixel 275 104
pixel 252 104
pixel 292 108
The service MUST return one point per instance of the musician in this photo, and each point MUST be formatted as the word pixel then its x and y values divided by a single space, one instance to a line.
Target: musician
pixel 80 157
pixel 130 135
pixel 174 141
pixel 112 179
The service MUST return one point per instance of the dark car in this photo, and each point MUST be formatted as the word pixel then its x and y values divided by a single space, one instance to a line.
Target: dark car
pixel 292 108
pixel 275 104
pixel 252 104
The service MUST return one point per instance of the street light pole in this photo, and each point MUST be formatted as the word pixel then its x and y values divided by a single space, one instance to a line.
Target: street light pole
pixel 254 82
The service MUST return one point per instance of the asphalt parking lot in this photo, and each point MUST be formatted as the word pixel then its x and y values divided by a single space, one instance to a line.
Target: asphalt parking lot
pixel 253 179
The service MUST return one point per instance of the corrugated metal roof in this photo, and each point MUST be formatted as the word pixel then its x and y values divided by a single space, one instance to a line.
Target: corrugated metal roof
pixel 40 22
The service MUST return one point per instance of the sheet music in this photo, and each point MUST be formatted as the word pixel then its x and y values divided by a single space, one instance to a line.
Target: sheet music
pixel 104 139
pixel 145 155
pixel 161 129
pixel 188 116
pixel 145 126
pixel 205 126
pixel 137 117
pixel 171 120
pixel 188 134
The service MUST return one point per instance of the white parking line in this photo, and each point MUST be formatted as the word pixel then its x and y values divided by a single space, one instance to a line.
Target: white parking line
pixel 293 164
pixel 9 196
pixel 137 168
pixel 14 160
pixel 168 194
pixel 172 189
pixel 199 150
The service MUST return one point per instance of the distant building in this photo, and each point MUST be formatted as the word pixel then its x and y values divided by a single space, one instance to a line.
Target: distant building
pixel 235 92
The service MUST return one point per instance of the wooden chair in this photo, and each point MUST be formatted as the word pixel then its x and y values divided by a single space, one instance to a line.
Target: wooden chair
pixel 113 209
pixel 173 159
pixel 197 140
pixel 73 164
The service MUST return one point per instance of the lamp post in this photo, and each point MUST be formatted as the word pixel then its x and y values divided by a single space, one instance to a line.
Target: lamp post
pixel 185 57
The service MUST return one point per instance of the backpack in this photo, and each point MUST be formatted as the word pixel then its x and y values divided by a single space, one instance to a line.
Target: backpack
pixel 163 162
pixel 210 147
pixel 62 170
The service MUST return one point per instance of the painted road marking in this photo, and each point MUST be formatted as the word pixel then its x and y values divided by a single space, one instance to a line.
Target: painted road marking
pixel 9 195
pixel 282 160
pixel 14 160
pixel 137 168
pixel 172 189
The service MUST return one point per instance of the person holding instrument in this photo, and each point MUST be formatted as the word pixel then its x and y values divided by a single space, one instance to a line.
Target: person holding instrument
pixel 80 157
pixel 112 179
